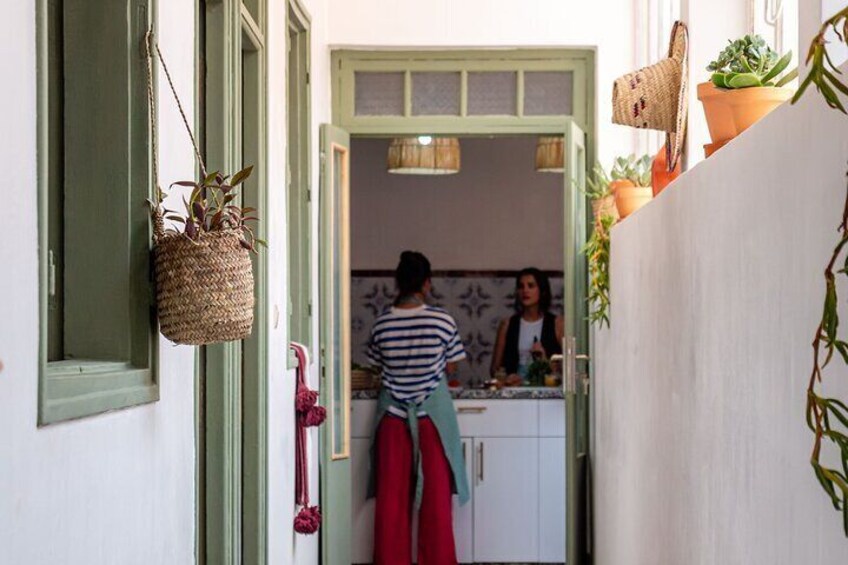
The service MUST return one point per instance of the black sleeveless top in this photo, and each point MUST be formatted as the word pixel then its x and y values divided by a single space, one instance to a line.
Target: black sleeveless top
pixel 549 340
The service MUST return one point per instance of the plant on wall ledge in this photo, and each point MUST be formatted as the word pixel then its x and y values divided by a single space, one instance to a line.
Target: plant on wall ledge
pixel 828 417
pixel 745 85
pixel 597 250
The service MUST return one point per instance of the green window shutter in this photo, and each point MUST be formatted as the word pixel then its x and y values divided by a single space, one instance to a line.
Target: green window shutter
pixel 98 327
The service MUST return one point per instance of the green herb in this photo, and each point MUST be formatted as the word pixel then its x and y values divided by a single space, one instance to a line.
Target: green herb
pixel 827 418
pixel 597 250
pixel 749 62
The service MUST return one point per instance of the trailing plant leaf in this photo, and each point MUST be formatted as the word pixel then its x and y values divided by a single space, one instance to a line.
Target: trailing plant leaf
pixel 819 410
pixel 822 71
pixel 597 250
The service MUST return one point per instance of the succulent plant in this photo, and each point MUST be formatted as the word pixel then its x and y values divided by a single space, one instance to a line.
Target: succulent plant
pixel 211 208
pixel 749 62
pixel 637 171
pixel 598 183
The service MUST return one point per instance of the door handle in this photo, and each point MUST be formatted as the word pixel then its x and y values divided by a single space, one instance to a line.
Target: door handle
pixel 471 409
pixel 480 458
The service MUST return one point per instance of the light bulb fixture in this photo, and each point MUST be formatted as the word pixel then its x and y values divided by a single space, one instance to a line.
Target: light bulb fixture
pixel 424 155
pixel 550 154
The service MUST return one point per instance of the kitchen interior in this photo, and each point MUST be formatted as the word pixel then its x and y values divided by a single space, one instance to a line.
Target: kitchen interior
pixel 488 214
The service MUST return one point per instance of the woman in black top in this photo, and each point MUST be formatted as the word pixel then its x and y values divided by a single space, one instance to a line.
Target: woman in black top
pixel 532 331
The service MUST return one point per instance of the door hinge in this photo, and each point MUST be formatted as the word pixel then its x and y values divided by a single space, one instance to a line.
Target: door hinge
pixel 309 195
pixel 308 77
pixel 309 309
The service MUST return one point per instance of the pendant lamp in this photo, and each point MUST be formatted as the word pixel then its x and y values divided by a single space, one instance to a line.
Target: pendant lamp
pixel 550 155
pixel 424 155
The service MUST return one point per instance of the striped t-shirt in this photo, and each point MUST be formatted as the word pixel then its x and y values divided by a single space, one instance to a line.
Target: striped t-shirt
pixel 413 346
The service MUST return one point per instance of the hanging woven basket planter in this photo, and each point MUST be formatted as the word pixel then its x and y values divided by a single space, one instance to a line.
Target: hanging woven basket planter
pixel 203 269
pixel 204 288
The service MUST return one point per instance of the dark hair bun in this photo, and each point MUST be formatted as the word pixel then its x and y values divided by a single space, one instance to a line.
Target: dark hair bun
pixel 412 272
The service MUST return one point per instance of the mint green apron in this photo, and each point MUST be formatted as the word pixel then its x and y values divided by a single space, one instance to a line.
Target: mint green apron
pixel 439 408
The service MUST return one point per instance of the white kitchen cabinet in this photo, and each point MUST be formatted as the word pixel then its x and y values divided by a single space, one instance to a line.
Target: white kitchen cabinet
pixel 552 500
pixel 506 500
pixel 463 516
pixel 515 461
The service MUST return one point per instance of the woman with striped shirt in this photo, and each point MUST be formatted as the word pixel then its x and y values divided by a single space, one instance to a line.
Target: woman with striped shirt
pixel 416 452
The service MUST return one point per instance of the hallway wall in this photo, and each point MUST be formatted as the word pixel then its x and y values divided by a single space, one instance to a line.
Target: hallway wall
pixel 702 451
pixel 116 488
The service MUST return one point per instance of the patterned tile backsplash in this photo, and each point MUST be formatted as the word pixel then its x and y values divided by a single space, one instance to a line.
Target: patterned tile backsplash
pixel 477 301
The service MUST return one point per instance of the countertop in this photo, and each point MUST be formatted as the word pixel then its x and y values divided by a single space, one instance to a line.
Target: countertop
pixel 506 393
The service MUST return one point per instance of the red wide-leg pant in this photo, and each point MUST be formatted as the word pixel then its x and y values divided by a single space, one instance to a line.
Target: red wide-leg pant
pixel 395 494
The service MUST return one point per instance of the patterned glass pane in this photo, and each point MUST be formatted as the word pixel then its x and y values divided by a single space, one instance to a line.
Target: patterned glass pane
pixel 378 94
pixel 548 93
pixel 436 94
pixel 492 94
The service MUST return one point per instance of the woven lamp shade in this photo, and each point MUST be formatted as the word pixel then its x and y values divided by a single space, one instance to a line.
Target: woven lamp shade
pixel 408 156
pixel 550 155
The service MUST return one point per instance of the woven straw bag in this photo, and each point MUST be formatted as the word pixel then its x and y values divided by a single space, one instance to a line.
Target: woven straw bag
pixel 204 285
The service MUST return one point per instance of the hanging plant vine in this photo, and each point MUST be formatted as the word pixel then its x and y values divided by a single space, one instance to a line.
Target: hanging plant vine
pixel 597 250
pixel 828 417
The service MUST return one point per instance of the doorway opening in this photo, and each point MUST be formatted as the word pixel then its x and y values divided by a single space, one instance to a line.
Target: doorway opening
pixel 479 228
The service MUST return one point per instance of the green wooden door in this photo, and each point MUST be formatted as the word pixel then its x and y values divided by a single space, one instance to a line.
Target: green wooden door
pixel 575 348
pixel 335 345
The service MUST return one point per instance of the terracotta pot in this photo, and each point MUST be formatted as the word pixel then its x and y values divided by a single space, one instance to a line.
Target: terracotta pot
pixel 661 177
pixel 719 118
pixel 730 112
pixel 749 105
pixel 605 206
pixel 628 199
pixel 711 148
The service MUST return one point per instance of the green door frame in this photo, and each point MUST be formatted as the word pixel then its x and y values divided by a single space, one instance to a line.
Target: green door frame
pixel 579 135
pixel 235 377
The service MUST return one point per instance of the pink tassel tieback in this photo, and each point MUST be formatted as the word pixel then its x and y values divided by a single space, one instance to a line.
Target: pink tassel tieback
pixel 308 520
pixel 315 416
pixel 309 414
pixel 305 400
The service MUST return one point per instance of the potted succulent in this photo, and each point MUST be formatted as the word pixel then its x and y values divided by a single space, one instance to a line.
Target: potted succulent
pixel 599 192
pixel 631 183
pixel 745 85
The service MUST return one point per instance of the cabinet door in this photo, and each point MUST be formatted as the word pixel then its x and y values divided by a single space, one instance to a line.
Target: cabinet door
pixel 362 510
pixel 506 500
pixel 463 516
pixel 552 500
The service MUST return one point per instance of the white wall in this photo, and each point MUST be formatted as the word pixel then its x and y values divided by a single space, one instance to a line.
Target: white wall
pixel 114 488
pixel 711 25
pixel 496 213
pixel 702 451
pixel 607 24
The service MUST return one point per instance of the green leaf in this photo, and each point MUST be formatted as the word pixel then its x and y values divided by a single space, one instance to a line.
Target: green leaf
pixel 720 80
pixel 242 175
pixel 779 67
pixel 830 317
pixel 210 178
pixel 743 80
pixel 826 484
pixel 836 82
pixel 788 77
